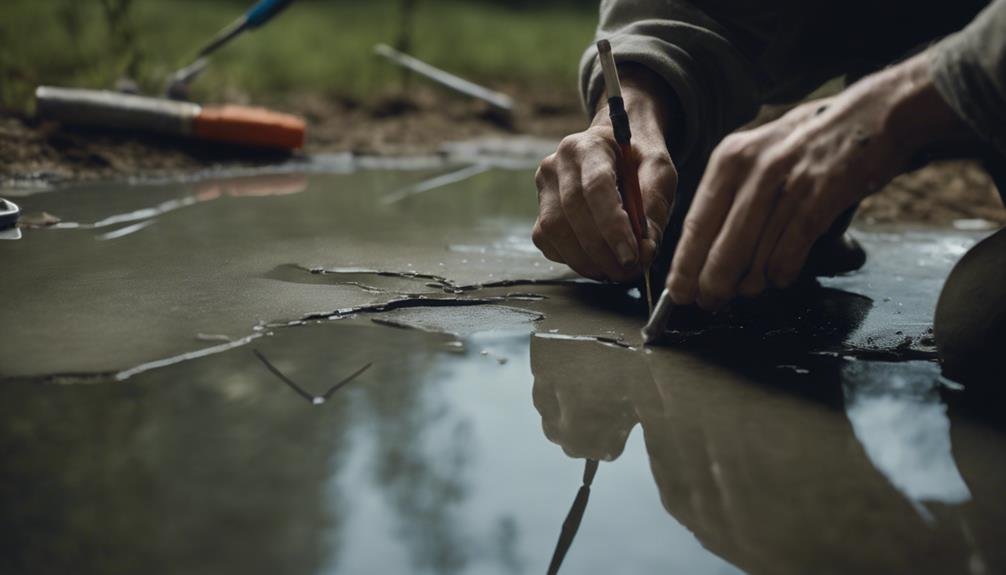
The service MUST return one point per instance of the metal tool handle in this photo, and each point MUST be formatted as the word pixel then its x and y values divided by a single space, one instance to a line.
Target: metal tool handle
pixel 262 12
pixel 258 15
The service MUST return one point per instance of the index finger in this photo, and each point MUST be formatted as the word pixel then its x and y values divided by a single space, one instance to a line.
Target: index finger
pixel 702 224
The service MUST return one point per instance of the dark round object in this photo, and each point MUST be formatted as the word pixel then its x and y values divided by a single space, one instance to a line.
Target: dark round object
pixel 9 213
pixel 970 321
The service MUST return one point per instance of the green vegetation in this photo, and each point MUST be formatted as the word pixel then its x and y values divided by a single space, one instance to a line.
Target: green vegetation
pixel 322 47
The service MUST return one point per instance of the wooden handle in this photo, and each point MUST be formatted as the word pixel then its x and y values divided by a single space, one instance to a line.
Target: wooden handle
pixel 629 190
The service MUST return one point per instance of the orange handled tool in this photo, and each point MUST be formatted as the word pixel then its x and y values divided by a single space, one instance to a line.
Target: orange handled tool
pixel 628 166
pixel 242 125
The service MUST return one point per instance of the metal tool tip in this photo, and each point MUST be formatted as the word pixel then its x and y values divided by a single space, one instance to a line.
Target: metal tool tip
pixel 657 325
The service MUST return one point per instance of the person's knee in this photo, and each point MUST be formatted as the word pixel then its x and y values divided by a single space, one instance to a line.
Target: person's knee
pixel 970 321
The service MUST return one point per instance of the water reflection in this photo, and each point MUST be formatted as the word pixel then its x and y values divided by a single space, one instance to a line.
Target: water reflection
pixel 433 460
pixel 772 481
pixel 899 417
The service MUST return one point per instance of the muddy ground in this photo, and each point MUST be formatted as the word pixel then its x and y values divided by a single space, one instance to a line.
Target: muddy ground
pixel 36 153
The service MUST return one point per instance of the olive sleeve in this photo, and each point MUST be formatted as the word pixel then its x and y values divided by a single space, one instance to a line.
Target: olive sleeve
pixel 969 70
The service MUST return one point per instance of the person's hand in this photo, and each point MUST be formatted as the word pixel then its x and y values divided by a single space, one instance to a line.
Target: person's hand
pixel 768 193
pixel 581 221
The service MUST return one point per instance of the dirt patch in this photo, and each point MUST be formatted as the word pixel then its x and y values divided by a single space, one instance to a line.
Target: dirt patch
pixel 940 193
pixel 43 153
pixel 40 152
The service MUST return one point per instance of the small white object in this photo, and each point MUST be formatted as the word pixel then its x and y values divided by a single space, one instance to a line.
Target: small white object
pixel 973 224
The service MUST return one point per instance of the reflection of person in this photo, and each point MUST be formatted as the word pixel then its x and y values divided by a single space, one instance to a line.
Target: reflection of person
pixel 769 481
pixel 694 70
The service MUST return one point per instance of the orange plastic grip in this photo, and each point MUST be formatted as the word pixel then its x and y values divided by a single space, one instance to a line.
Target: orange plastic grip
pixel 249 126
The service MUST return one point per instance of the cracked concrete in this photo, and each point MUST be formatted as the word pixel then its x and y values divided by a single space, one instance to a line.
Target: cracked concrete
pixel 801 432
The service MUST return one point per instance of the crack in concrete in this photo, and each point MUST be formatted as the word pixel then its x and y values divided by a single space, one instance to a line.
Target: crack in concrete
pixel 436 281
pixel 603 340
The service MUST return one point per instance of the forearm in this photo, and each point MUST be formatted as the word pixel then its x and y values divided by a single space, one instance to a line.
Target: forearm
pixel 649 102
pixel 919 119
pixel 712 83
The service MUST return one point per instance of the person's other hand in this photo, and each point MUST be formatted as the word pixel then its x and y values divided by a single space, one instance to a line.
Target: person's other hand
pixel 581 222
pixel 768 193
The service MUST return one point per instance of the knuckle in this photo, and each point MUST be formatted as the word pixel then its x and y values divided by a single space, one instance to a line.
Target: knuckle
pixel 667 173
pixel 656 231
pixel 661 161
pixel 545 168
pixel 537 234
pixel 599 181
pixel 549 225
pixel 737 146
pixel 794 184
pixel 540 181
pixel 571 145
pixel 603 135
pixel 772 159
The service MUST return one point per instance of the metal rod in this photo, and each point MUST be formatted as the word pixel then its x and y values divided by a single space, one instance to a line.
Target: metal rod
pixel 456 83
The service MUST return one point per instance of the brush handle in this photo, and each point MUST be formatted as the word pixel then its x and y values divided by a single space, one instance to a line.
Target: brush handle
pixel 628 166
pixel 628 189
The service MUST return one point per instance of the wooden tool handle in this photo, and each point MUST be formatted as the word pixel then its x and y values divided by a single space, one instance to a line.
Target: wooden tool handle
pixel 629 190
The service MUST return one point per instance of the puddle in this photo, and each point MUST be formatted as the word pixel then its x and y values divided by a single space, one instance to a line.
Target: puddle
pixel 462 321
pixel 291 373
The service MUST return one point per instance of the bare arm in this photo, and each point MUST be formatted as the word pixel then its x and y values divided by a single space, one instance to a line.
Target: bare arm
pixel 685 85
pixel 770 192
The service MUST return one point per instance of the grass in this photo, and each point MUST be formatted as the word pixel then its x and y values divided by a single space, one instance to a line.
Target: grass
pixel 322 47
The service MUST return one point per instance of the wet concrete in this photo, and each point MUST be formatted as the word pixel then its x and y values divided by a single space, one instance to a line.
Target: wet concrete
pixel 292 373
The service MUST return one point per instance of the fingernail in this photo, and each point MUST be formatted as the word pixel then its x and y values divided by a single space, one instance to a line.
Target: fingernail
pixel 625 254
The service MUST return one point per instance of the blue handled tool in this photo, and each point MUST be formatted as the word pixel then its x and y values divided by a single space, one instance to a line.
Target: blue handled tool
pixel 259 14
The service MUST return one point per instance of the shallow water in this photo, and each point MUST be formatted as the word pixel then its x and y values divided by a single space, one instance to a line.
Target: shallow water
pixel 142 429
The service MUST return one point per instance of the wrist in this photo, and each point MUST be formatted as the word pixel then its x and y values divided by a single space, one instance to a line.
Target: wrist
pixel 918 118
pixel 647 102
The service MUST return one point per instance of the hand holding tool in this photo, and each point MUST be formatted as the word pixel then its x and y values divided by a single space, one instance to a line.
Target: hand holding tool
pixel 658 318
pixel 628 169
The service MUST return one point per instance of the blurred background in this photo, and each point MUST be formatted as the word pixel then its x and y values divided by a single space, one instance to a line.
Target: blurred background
pixel 317 60
pixel 321 47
